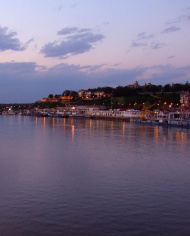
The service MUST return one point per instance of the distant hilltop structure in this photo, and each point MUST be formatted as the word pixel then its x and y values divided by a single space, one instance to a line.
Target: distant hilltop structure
pixel 185 99
pixel 57 99
pixel 86 94
pixel 136 85
pixel 178 94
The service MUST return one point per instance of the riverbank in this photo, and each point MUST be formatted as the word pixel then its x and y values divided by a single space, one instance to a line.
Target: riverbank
pixel 180 124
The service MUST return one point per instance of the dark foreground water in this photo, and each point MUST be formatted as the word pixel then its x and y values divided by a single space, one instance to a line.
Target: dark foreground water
pixel 93 177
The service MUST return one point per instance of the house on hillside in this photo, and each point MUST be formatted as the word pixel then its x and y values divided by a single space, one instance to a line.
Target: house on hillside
pixel 185 99
pixel 50 99
pixel 66 98
pixel 85 93
pixel 99 94
pixel 57 99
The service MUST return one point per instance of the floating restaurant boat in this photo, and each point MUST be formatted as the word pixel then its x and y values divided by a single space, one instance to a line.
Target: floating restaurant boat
pixel 9 112
pixel 173 119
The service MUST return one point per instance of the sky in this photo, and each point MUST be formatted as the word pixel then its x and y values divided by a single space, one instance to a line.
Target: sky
pixel 58 45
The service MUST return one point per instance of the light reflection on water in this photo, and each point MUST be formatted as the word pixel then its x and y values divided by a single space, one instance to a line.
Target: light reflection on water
pixel 93 177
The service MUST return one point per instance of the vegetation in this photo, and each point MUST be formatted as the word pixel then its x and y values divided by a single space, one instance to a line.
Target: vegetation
pixel 14 107
pixel 119 97
pixel 125 97
pixel 45 105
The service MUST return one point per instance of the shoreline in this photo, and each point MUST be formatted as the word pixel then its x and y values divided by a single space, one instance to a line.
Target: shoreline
pixel 180 124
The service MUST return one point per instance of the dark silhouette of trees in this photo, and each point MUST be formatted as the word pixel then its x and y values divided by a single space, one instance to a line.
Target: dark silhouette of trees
pixel 66 93
pixel 74 94
pixel 50 96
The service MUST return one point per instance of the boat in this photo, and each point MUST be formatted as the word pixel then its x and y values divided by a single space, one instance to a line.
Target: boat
pixel 64 116
pixel 170 119
pixel 9 112
pixel 90 117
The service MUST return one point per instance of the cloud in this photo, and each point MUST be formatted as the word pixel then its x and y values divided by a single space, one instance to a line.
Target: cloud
pixel 170 57
pixel 78 41
pixel 156 45
pixel 143 36
pixel 92 68
pixel 152 45
pixel 10 69
pixel 59 8
pixel 67 30
pixel 117 64
pixel 136 44
pixel 181 18
pixel 170 74
pixel 171 29
pixel 186 9
pixel 74 5
pixel 142 40
pixel 28 82
pixel 84 30
pixel 9 42
pixel 29 41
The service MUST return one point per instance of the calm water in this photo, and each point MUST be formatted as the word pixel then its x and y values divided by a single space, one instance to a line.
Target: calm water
pixel 93 177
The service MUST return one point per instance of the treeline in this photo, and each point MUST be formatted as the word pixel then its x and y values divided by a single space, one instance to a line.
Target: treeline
pixel 124 91
pixel 71 93
pixel 125 96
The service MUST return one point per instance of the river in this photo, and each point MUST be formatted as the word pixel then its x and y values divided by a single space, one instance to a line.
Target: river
pixel 69 176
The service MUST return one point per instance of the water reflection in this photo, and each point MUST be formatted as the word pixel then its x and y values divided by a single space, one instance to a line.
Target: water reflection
pixel 123 129
pixel 92 177
pixel 73 132
pixel 53 123
pixel 44 121
pixel 112 127
pixel 164 140
pixel 36 121
pixel 156 132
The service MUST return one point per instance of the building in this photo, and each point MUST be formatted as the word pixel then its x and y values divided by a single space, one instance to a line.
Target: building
pixel 135 85
pixel 66 98
pixel 84 93
pixel 60 99
pixel 99 94
pixel 185 99
pixel 50 99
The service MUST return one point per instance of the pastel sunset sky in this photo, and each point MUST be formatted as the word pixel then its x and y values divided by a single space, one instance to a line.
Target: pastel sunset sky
pixel 56 45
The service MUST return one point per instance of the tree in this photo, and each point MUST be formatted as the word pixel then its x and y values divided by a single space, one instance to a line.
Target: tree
pixel 167 88
pixel 66 93
pixel 57 95
pixel 108 89
pixel 74 94
pixel 177 87
pixel 159 88
pixel 50 96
